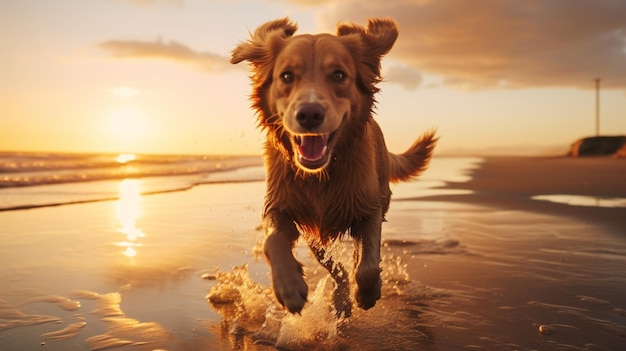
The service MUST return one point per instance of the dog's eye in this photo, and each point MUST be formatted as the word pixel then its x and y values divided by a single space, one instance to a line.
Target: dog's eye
pixel 338 76
pixel 287 77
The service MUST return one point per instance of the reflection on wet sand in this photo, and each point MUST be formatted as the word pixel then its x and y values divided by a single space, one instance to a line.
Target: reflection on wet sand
pixel 128 211
pixel 580 200
pixel 12 317
pixel 122 330
pixel 68 332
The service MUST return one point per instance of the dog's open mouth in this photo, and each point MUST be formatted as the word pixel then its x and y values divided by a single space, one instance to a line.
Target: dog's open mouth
pixel 313 151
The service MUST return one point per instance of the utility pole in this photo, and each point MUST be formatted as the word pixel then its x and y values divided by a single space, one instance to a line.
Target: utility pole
pixel 597 80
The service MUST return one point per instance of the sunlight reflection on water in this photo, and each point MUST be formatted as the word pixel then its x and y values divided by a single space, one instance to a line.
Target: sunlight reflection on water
pixel 128 211
pixel 580 200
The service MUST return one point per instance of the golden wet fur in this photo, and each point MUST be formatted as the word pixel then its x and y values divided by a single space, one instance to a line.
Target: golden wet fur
pixel 328 169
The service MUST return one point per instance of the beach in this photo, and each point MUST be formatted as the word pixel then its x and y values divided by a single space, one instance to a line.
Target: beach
pixel 496 253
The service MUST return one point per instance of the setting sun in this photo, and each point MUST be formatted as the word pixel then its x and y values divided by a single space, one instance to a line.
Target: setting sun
pixel 128 123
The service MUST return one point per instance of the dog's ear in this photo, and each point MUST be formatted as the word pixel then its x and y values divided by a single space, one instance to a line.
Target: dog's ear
pixel 368 45
pixel 378 37
pixel 260 45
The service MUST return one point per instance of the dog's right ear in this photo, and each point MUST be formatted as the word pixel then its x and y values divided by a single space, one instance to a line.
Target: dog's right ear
pixel 261 44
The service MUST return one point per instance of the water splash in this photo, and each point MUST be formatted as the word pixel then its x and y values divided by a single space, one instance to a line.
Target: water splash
pixel 251 315
pixel 316 328
pixel 249 309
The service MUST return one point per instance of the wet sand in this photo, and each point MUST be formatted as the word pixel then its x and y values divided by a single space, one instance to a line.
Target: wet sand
pixel 509 183
pixel 482 268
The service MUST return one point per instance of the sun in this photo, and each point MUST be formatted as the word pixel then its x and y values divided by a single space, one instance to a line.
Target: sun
pixel 128 123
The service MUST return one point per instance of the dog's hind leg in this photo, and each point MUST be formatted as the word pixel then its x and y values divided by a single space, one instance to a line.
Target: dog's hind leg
pixel 289 286
pixel 367 260
pixel 341 292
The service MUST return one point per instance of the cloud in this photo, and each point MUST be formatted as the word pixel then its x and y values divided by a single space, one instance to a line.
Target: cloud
pixel 407 77
pixel 504 43
pixel 171 50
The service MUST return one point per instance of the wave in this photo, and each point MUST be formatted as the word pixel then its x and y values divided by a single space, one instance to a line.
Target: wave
pixel 33 180
pixel 31 169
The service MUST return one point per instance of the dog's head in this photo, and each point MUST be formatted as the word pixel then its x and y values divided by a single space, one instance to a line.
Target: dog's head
pixel 308 88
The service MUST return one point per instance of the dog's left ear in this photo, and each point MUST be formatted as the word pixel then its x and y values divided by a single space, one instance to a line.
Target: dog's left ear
pixel 377 38
pixel 368 45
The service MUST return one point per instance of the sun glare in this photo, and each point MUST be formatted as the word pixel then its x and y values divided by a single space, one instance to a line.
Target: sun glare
pixel 127 123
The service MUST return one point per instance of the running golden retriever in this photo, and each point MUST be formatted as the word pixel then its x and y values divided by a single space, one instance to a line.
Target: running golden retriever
pixel 328 169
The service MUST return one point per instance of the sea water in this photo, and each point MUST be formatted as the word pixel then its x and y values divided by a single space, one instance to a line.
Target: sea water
pixel 31 180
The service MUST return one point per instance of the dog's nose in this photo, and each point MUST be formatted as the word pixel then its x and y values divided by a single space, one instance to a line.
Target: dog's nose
pixel 310 116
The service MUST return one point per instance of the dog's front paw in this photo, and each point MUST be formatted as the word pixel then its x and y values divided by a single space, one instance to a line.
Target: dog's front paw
pixel 369 286
pixel 290 288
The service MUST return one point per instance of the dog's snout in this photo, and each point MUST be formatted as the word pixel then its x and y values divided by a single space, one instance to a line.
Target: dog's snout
pixel 310 116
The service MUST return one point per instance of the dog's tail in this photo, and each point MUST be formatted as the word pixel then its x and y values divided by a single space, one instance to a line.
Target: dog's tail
pixel 413 161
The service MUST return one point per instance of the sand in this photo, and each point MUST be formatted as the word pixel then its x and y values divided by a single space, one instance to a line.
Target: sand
pixel 509 183
pixel 479 265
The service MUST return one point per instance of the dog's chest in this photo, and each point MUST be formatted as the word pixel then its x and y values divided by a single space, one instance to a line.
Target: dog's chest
pixel 332 206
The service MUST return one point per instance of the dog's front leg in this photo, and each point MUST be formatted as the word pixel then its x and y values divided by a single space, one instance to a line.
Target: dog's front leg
pixel 289 285
pixel 367 254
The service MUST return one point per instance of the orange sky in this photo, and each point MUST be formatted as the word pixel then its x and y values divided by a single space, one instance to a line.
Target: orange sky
pixel 152 76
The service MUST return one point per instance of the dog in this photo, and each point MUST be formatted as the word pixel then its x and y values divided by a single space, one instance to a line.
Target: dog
pixel 327 166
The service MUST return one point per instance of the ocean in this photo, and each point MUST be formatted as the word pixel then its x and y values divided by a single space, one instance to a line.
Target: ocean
pixel 32 180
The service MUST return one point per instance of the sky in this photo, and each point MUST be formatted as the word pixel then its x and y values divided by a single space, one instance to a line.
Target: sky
pixel 152 76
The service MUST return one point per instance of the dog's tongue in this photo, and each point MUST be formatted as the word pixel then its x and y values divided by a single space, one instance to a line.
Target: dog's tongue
pixel 312 147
